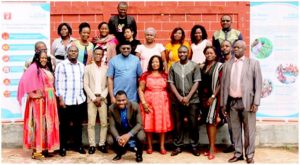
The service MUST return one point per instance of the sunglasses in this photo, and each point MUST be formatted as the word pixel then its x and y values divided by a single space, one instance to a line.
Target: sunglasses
pixel 225 20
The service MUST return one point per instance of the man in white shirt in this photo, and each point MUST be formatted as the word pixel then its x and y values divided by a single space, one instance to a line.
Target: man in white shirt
pixel 69 90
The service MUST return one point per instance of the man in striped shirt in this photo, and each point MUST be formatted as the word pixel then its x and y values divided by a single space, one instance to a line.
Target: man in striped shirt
pixel 69 90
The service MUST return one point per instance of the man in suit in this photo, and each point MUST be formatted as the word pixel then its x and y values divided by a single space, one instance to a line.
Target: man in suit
pixel 241 89
pixel 125 127
pixel 118 22
pixel 95 86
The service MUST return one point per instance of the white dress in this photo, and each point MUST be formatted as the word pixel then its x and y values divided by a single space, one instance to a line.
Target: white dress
pixel 147 53
pixel 198 55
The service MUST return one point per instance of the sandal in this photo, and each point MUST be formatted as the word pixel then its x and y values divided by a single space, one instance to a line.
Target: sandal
pixel 37 155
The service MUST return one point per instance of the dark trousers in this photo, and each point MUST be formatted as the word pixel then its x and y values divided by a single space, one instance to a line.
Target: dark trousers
pixel 139 139
pixel 70 119
pixel 192 113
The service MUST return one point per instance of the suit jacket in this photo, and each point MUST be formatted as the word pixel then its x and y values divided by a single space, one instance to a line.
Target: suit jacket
pixel 89 81
pixel 133 116
pixel 251 82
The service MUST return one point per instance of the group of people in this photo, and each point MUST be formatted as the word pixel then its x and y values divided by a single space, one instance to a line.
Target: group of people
pixel 148 88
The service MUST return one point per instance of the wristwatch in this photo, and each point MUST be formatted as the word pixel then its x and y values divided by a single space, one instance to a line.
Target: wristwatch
pixel 213 96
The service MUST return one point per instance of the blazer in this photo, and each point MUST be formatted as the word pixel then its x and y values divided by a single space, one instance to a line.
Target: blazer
pixel 133 116
pixel 89 81
pixel 251 83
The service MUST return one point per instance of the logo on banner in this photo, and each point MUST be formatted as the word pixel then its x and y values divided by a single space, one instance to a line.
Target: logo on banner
pixel 7 16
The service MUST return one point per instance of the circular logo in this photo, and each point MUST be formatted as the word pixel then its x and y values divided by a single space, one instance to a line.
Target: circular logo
pixel 5 36
pixel 5 47
pixel 287 74
pixel 5 69
pixel 262 48
pixel 6 82
pixel 5 58
pixel 267 88
pixel 6 94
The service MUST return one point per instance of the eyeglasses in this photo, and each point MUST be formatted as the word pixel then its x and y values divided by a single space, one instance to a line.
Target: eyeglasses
pixel 126 48
pixel 225 20
pixel 43 50
pixel 73 51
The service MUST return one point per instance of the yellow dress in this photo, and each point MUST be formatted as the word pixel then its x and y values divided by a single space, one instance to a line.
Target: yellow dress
pixel 173 52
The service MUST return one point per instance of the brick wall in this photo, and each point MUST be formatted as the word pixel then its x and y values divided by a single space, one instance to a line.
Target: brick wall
pixel 163 16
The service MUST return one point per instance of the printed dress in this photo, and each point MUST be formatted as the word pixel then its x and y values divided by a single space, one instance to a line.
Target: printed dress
pixel 41 124
pixel 156 96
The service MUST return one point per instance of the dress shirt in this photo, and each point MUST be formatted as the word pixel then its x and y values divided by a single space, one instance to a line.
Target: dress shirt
pixel 238 64
pixel 69 82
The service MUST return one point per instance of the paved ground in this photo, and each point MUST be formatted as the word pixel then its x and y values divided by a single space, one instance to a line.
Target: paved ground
pixel 262 155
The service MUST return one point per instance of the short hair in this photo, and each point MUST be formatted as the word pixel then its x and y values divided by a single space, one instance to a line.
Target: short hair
pixel 64 24
pixel 84 25
pixel 226 41
pixel 98 48
pixel 226 15
pixel 183 46
pixel 161 64
pixel 71 45
pixel 173 38
pixel 102 23
pixel 120 92
pixel 38 43
pixel 122 3
pixel 193 31
pixel 125 43
pixel 150 29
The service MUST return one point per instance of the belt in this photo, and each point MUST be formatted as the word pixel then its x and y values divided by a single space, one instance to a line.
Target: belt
pixel 234 98
pixel 97 95
pixel 60 57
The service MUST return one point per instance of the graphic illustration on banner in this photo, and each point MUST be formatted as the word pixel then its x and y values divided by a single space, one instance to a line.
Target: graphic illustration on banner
pixel 273 37
pixel 22 24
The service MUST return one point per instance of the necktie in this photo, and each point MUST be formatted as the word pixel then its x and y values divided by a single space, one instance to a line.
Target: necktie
pixel 85 55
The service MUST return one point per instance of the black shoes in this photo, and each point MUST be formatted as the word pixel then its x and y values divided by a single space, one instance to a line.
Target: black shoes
pixel 176 151
pixel 139 158
pixel 117 157
pixel 81 150
pixel 195 151
pixel 62 152
pixel 103 149
pixel 92 150
pixel 235 159
pixel 250 160
pixel 229 149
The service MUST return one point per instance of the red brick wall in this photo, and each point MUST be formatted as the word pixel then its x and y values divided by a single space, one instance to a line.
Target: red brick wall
pixel 163 16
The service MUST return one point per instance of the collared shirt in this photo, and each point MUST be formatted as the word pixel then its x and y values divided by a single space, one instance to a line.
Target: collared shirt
pixel 124 121
pixel 69 82
pixel 125 72
pixel 238 64
pixel 184 77
pixel 100 79
pixel 59 50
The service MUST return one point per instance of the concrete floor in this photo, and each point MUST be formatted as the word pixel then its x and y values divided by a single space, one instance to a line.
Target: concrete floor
pixel 262 155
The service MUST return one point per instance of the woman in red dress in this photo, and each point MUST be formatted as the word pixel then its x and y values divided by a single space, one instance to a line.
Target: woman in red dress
pixel 155 103
pixel 41 124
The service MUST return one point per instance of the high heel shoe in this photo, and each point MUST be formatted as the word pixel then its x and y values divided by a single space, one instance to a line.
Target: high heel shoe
pixel 211 156
pixel 37 155
pixel 149 151
pixel 163 152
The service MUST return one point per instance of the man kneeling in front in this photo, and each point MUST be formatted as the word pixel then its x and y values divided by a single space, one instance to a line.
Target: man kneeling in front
pixel 125 127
